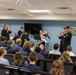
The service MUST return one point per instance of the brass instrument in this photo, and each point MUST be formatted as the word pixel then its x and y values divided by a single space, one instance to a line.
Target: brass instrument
pixel 25 32
pixel 60 33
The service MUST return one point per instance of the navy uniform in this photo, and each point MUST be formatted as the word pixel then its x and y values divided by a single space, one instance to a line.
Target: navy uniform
pixel 19 33
pixel 65 41
pixel 10 50
pixel 6 33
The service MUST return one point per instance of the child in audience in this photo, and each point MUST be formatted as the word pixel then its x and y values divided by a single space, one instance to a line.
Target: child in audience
pixel 3 41
pixel 17 46
pixel 9 47
pixel 18 60
pixel 65 57
pixel 32 46
pixel 33 58
pixel 57 68
pixel 69 49
pixel 73 72
pixel 3 52
pixel 26 49
pixel 40 56
pixel 55 49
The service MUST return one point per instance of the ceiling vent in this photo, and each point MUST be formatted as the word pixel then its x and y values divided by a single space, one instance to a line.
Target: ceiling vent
pixel 10 9
pixel 63 8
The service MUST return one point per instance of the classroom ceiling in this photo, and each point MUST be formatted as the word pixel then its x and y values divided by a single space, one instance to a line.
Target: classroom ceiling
pixel 22 7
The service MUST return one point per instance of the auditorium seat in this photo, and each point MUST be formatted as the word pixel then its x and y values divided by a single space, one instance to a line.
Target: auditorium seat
pixel 45 64
pixel 45 54
pixel 8 70
pixel 4 70
pixel 14 70
pixel 73 58
pixel 54 56
pixel 9 57
pixel 49 64
pixel 68 67
pixel 28 72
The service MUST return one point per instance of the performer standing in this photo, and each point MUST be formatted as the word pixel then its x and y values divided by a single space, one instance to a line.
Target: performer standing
pixel 43 37
pixel 6 31
pixel 65 37
pixel 20 31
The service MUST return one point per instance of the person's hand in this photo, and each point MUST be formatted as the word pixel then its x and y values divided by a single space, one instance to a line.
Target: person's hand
pixel 62 33
pixel 41 46
pixel 8 29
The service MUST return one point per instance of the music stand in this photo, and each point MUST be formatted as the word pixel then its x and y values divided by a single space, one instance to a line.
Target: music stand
pixel 37 38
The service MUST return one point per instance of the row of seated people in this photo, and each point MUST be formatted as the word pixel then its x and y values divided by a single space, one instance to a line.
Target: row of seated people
pixel 33 57
pixel 27 48
pixel 55 54
pixel 65 56
pixel 18 60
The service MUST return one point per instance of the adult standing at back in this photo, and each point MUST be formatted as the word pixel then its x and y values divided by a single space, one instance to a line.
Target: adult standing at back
pixel 65 39
pixel 6 31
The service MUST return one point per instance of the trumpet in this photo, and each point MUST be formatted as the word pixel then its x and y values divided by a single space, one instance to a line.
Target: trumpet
pixel 60 33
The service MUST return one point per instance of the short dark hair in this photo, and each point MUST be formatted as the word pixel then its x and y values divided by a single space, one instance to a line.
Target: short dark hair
pixel 9 42
pixel 37 49
pixel 3 38
pixel 33 56
pixel 56 46
pixel 4 25
pixel 21 27
pixel 67 27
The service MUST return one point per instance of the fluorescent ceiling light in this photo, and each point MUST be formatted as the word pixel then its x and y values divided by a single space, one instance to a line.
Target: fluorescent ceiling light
pixel 39 11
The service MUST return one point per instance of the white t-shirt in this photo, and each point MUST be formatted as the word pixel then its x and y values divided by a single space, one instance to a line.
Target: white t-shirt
pixel 55 52
pixel 4 61
pixel 71 53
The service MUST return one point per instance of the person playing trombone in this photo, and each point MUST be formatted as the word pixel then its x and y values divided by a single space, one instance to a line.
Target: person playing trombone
pixel 65 37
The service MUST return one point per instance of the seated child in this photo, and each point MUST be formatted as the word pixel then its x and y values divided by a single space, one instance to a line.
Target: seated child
pixel 55 49
pixel 3 41
pixel 17 46
pixel 3 52
pixel 69 50
pixel 26 48
pixel 18 60
pixel 9 47
pixel 57 68
pixel 40 56
pixel 33 58
pixel 65 57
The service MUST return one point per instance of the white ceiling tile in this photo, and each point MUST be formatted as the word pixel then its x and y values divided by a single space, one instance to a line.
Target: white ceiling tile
pixel 52 5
